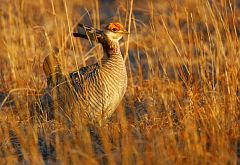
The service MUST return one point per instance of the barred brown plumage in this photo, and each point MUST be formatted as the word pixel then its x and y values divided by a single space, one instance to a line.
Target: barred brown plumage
pixel 94 90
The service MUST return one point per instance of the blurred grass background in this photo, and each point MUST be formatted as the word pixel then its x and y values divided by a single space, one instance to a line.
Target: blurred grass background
pixel 182 105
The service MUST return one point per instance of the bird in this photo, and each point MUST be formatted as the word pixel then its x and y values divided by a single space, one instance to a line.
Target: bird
pixel 93 91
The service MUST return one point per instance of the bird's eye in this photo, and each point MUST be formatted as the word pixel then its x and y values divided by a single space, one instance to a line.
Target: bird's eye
pixel 114 29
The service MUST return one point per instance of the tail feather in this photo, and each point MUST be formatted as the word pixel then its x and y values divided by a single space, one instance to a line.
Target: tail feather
pixel 51 65
pixel 53 71
pixel 55 94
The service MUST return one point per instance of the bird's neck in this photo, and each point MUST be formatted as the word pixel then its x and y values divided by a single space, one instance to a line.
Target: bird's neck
pixel 111 50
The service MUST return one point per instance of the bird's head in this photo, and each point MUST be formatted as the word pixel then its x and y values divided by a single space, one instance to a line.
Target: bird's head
pixel 115 31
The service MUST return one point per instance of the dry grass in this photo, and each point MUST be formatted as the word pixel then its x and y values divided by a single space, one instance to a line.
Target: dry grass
pixel 182 105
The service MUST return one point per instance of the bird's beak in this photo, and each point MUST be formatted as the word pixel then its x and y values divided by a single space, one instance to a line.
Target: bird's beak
pixel 87 32
pixel 124 32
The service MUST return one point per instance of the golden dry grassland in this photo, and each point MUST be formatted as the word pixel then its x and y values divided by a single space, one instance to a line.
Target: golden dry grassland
pixel 182 105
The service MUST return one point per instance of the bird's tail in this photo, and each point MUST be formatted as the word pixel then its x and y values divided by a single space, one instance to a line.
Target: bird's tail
pixel 51 65
pixel 53 71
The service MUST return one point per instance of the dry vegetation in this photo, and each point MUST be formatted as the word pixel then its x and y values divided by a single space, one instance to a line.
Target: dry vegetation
pixel 183 98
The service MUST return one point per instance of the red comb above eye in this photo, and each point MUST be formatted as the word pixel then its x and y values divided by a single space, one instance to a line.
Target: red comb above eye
pixel 116 26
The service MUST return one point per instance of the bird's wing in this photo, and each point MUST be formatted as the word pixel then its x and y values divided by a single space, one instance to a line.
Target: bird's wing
pixel 79 77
